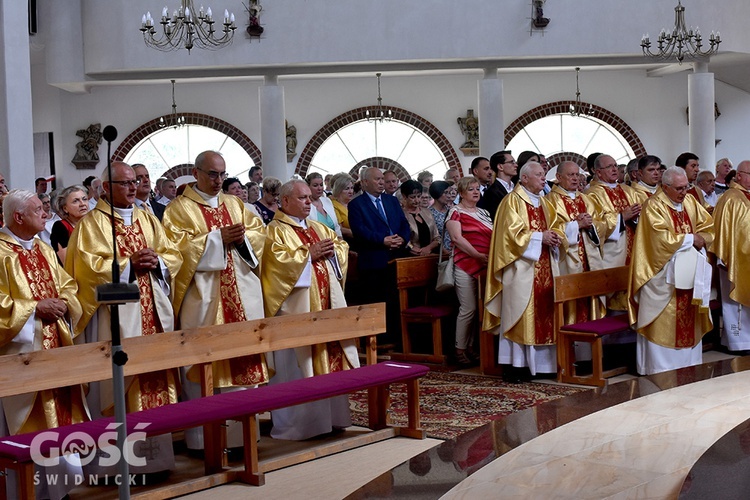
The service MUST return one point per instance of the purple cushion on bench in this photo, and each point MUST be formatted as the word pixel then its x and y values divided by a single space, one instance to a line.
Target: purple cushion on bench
pixel 603 326
pixel 227 406
pixel 437 311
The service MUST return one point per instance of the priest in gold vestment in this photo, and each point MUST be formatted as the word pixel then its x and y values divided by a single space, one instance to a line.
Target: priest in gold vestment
pixel 304 265
pixel 584 225
pixel 147 258
pixel 221 243
pixel 523 262
pixel 670 278
pixel 621 206
pixel 732 249
pixel 649 177
pixel 38 303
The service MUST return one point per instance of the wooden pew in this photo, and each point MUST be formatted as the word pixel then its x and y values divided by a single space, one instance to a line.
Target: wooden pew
pixel 73 365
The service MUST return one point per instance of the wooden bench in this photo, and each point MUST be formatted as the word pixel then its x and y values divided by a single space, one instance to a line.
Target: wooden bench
pixel 45 370
pixel 592 285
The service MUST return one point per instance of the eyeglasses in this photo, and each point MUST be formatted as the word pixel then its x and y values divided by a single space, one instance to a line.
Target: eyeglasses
pixel 678 189
pixel 213 175
pixel 510 162
pixel 741 172
pixel 128 184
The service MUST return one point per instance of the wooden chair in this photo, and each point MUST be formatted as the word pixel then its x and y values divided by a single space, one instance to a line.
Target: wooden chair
pixel 416 276
pixel 591 285
pixel 487 341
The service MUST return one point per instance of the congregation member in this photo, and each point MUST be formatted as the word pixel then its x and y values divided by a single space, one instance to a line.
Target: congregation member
pixel 723 167
pixel 706 183
pixel 143 192
pixel 443 193
pixel 584 227
pixel 52 217
pixel 730 246
pixel 147 258
pixel 523 262
pixel 72 205
pixel 256 175
pixel 670 278
pixel 168 190
pixel 504 167
pixel 689 162
pixel 480 168
pixel 632 172
pixel 342 192
pixel 322 209
pixel 253 192
pixel 234 187
pixel 424 236
pixel 425 178
pixel 304 265
pixel 269 199
pixel 452 175
pixel 93 186
pixel 470 230
pixel 39 302
pixel 390 182
pixel 381 233
pixel 221 243
pixel 41 185
pixel 649 176
pixel 621 206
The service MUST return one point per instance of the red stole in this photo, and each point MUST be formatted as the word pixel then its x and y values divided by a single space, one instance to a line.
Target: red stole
pixel 543 294
pixel 335 354
pixel 620 201
pixel 39 277
pixel 247 370
pixel 154 386
pixel 686 311
pixel 576 207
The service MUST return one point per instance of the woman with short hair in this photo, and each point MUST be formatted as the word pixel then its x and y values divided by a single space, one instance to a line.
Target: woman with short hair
pixel 72 205
pixel 424 234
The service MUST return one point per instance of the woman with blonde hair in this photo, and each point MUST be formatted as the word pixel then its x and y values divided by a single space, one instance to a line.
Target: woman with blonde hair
pixel 72 204
pixel 268 204
pixel 342 192
pixel 470 229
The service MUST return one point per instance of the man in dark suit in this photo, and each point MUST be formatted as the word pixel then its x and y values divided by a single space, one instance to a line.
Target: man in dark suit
pixel 143 192
pixel 380 230
pixel 504 167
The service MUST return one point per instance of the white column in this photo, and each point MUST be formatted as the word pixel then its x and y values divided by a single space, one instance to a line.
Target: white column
pixel 272 129
pixel 16 122
pixel 702 127
pixel 491 123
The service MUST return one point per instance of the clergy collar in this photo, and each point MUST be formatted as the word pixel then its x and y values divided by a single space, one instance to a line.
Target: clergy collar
pixel 534 198
pixel 205 196
pixel 26 244
pixel 676 206
pixel 612 185
pixel 650 188
pixel 301 222
pixel 126 214
pixel 572 194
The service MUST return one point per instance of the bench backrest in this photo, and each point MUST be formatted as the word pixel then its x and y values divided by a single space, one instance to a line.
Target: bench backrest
pixel 591 283
pixel 40 370
pixel 412 272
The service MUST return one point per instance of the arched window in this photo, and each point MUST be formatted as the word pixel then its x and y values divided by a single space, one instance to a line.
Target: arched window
pixel 170 152
pixel 349 140
pixel 551 130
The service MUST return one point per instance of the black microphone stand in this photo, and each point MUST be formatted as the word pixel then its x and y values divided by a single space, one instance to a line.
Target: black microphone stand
pixel 114 294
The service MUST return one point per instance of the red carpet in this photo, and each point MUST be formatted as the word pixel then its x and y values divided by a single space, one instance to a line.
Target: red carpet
pixel 452 404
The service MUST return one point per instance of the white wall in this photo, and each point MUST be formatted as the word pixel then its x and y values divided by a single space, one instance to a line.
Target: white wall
pixel 654 107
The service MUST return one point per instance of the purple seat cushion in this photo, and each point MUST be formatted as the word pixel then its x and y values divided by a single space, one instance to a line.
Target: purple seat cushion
pixel 437 311
pixel 227 406
pixel 603 326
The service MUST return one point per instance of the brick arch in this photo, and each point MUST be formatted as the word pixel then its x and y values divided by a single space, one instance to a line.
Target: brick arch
pixel 209 121
pixel 359 114
pixel 179 170
pixel 558 158
pixel 563 107
pixel 383 164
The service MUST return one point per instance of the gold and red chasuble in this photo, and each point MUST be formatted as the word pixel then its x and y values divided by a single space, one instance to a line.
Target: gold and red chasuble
pixel 574 208
pixel 543 285
pixel 331 351
pixel 38 274
pixel 153 388
pixel 620 201
pixel 685 325
pixel 246 370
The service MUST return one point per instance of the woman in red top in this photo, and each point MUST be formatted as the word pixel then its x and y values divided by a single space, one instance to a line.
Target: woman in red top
pixel 470 229
pixel 72 205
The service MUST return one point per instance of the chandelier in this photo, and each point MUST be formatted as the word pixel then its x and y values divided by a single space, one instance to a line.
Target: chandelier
pixel 681 42
pixel 187 28
pixel 577 108
pixel 173 120
pixel 381 114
